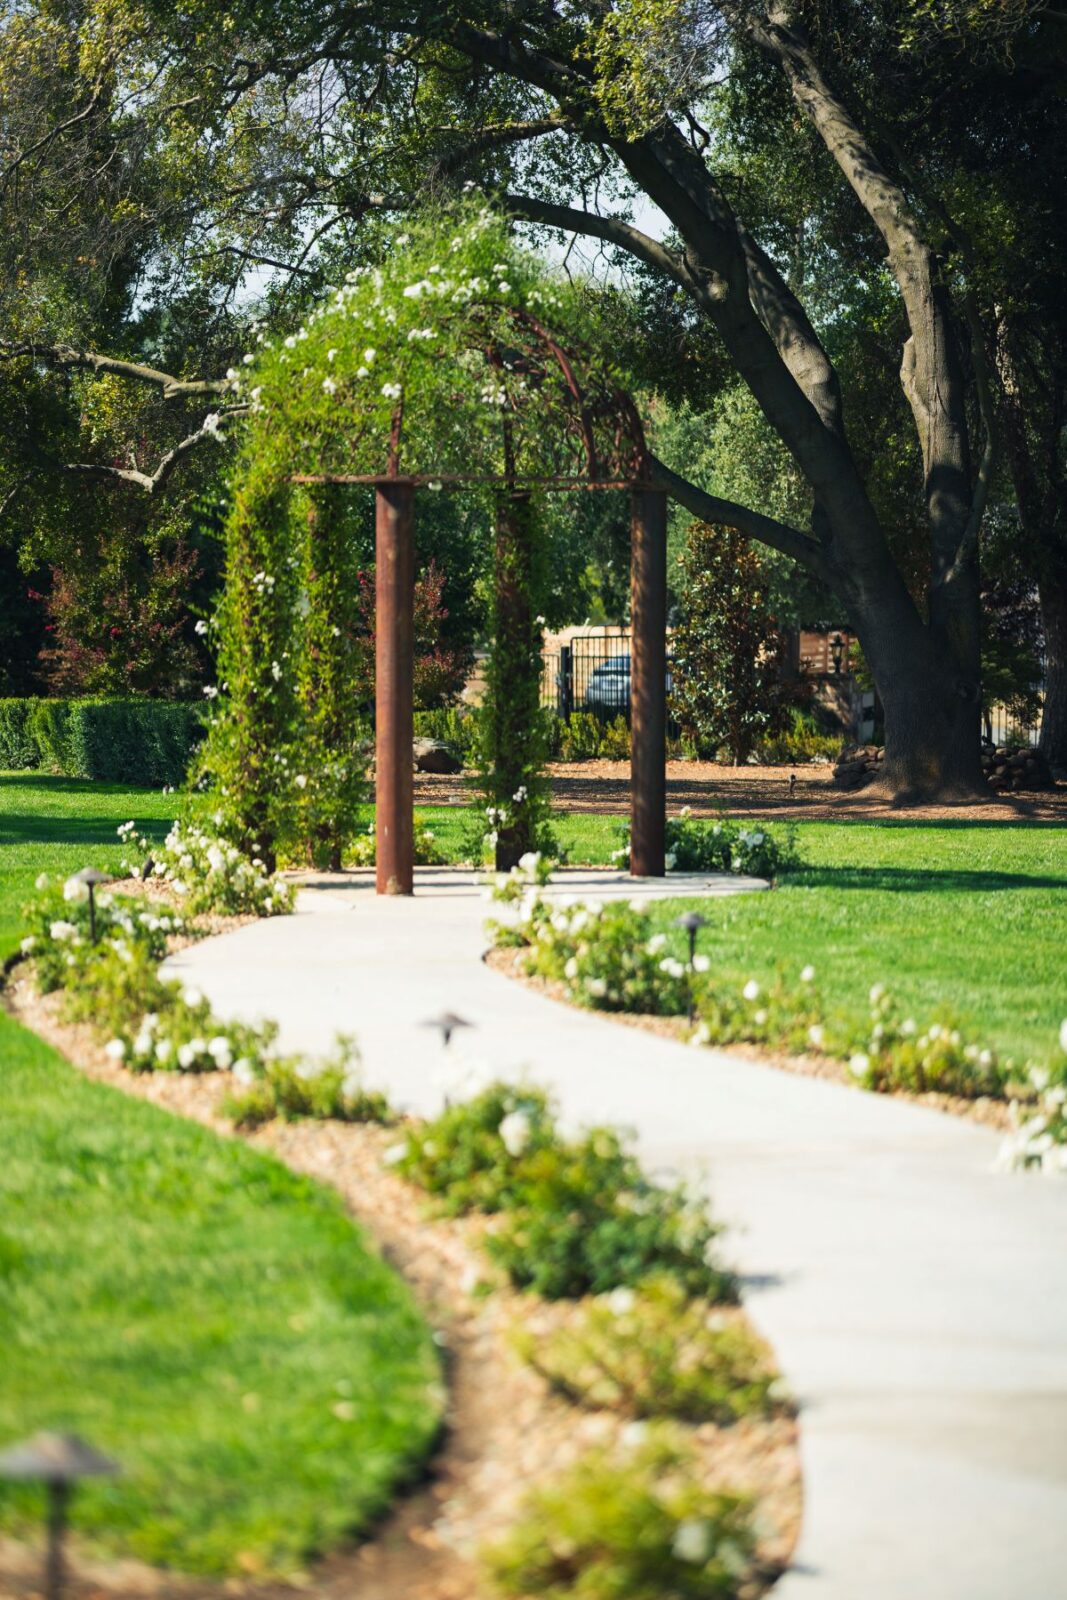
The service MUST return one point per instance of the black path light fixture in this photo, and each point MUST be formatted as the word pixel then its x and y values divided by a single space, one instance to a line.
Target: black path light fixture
pixel 59 1461
pixel 691 922
pixel 92 877
pixel 447 1024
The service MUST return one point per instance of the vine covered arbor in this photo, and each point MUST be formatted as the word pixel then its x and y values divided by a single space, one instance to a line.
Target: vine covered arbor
pixel 461 365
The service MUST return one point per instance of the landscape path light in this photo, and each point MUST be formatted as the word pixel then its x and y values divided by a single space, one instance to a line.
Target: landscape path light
pixel 59 1461
pixel 446 1024
pixel 91 876
pixel 692 922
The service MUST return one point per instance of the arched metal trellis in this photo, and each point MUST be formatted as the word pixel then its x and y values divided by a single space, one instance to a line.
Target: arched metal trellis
pixel 590 437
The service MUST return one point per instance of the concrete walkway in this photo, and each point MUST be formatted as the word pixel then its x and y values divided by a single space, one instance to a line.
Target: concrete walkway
pixel 917 1302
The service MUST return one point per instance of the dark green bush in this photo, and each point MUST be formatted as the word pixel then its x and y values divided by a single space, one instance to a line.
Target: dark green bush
pixel 18 747
pixel 122 741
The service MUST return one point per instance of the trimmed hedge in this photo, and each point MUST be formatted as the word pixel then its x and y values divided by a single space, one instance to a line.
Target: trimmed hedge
pixel 122 741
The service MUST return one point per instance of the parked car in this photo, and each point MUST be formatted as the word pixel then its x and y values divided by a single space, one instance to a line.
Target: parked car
pixel 608 688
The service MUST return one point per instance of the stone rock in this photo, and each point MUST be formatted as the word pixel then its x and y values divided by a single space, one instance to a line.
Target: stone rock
pixel 433 755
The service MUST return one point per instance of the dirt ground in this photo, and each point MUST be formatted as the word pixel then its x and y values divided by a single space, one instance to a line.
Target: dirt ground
pixel 604 786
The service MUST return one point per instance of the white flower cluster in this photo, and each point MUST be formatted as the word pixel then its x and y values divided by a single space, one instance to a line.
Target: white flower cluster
pixel 211 873
pixel 1039 1139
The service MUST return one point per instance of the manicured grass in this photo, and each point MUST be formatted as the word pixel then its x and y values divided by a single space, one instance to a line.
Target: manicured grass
pixel 968 916
pixel 213 1321
pixel 186 1303
pixel 60 824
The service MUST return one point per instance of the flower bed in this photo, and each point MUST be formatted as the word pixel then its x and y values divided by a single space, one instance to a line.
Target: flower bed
pixel 607 957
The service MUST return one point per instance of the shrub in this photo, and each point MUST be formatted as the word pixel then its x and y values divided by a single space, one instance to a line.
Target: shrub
pixel 209 873
pixel 292 1087
pixel 802 741
pixel 18 746
pixel 577 1216
pixel 469 1156
pixel 119 741
pixel 428 853
pixel 606 956
pixel 578 736
pixel 586 1219
pixel 695 845
pixel 899 1054
pixel 654 1352
pixel 455 726
pixel 728 688
pixel 627 1525
pixel 57 930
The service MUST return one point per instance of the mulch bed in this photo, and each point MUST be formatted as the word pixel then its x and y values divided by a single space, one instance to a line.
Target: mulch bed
pixel 604 786
pixel 505 1428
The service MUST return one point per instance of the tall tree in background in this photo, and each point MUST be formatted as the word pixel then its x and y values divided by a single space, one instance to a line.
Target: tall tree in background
pixel 267 138
pixel 727 681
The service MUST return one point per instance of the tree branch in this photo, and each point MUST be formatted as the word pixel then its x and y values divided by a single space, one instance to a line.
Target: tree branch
pixel 150 482
pixel 65 355
pixel 613 230
pixel 710 508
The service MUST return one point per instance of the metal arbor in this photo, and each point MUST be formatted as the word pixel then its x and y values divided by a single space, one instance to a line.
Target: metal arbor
pixel 589 436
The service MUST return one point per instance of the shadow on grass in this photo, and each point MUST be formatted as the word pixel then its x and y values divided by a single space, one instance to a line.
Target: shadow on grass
pixel 919 880
pixel 54 784
pixel 25 828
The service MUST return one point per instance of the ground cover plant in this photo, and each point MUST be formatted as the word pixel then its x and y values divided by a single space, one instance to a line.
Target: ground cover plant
pixel 574 1216
pixel 210 1319
pixel 634 1523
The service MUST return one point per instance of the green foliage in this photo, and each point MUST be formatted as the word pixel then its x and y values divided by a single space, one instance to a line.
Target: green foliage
pixel 290 1088
pixel 628 1525
pixel 654 1352
pixel 416 352
pixel 57 931
pixel 284 1385
pixel 695 844
pixel 575 1216
pixel 801 740
pixel 209 874
pixel 606 956
pixel 468 1158
pixel 583 736
pixel 122 741
pixel 456 727
pixel 727 687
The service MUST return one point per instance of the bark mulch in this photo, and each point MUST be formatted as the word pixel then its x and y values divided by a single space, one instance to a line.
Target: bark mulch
pixel 604 786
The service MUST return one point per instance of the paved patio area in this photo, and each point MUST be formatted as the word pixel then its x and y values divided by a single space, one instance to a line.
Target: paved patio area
pixel 917 1301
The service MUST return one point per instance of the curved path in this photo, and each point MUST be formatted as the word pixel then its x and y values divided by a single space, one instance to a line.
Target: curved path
pixel 917 1302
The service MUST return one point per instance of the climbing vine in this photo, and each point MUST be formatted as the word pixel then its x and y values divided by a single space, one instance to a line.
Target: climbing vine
pixel 462 356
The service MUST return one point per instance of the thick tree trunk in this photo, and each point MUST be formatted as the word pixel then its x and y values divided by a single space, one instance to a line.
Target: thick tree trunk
pixel 932 704
pixel 1052 592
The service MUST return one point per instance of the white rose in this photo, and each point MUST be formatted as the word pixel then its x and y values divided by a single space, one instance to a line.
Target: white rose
pixel 621 1302
pixel 751 990
pixel 244 1071
pixel 515 1131
pixel 693 1541
pixel 807 974
pixel 859 1064
pixel 115 1049
pixel 75 891
pixel 63 930
pixel 28 944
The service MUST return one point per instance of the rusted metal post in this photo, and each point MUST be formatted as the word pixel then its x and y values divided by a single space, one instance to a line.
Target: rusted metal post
pixel 395 724
pixel 648 682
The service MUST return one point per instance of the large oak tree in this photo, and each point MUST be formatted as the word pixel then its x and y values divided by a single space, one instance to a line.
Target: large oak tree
pixel 272 135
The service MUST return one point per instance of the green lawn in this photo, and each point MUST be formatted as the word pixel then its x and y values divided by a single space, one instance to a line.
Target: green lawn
pixel 968 915
pixel 971 916
pixel 183 1301
pixel 60 824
